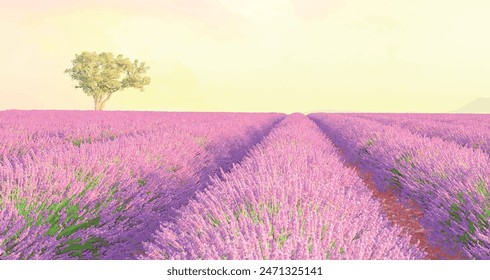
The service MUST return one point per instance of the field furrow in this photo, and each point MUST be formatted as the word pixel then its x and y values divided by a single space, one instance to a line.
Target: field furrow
pixel 290 198
pixel 448 182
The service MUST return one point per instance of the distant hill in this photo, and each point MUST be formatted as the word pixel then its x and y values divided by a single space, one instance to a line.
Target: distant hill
pixel 480 105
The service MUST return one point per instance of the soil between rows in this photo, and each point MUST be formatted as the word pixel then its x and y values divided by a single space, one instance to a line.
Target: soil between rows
pixel 405 217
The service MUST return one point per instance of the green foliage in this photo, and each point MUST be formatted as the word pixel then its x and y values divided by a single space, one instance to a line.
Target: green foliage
pixel 282 238
pixel 273 208
pixel 249 211
pixel 141 182
pixel 341 250
pixel 310 244
pixel 365 148
pixel 324 231
pixel 396 172
pixel 330 250
pixel 395 179
pixel 75 247
pixel 63 226
pixel 100 75
pixel 79 141
pixel 463 218
pixel 481 187
pixel 215 222
pixel 453 213
pixel 405 159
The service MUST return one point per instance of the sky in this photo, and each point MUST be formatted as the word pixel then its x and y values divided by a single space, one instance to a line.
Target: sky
pixel 253 55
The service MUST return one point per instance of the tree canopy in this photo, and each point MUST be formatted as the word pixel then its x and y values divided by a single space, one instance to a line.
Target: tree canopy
pixel 100 75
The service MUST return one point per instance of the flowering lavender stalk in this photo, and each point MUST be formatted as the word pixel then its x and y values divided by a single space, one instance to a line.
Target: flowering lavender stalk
pixel 291 198
pixel 448 181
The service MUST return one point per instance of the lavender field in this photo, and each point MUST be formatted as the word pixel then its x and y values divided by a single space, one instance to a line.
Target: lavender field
pixel 154 185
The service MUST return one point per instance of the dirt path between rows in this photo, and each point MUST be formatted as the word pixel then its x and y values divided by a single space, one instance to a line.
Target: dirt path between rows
pixel 406 217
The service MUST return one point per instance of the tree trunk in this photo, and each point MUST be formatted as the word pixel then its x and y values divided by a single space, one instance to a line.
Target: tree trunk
pixel 100 102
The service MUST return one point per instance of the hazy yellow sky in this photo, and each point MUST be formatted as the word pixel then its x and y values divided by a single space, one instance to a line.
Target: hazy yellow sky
pixel 253 55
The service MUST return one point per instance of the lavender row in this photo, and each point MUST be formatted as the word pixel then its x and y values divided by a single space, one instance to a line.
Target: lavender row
pixel 26 130
pixel 465 131
pixel 448 118
pixel 101 200
pixel 482 119
pixel 291 198
pixel 449 182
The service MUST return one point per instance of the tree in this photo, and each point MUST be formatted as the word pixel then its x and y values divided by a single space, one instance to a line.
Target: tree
pixel 100 75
